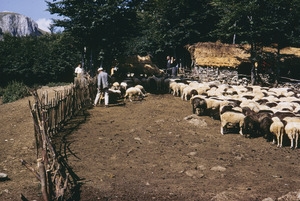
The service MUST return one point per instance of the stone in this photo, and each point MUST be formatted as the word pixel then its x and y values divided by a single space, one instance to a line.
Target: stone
pixel 290 196
pixel 268 199
pixel 218 168
pixel 196 120
pixel 194 174
pixel 3 176
pixel 192 153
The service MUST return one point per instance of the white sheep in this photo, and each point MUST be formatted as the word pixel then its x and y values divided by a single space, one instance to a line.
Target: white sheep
pixel 233 118
pixel 277 129
pixel 188 92
pixel 292 130
pixel 133 92
pixel 174 88
pixel 115 86
pixel 141 88
pixel 123 85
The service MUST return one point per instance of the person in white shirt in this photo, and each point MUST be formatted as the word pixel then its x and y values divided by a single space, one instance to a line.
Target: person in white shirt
pixel 79 71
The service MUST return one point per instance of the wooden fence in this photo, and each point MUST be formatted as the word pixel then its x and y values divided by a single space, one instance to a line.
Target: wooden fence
pixel 49 117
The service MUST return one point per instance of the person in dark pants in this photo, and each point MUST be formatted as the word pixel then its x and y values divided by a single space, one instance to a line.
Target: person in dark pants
pixel 174 67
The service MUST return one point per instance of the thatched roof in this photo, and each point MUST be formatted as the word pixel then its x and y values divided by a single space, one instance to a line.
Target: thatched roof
pixel 227 55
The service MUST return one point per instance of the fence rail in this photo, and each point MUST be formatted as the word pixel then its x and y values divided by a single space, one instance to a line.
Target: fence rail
pixel 49 117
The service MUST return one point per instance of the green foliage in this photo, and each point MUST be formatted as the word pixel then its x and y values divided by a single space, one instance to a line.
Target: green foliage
pixel 38 60
pixel 97 25
pixel 263 21
pixel 168 25
pixel 15 91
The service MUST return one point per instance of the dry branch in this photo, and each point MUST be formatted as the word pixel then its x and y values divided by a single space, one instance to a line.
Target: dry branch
pixel 34 172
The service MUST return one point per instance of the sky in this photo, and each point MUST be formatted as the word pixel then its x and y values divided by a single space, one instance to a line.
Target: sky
pixel 34 9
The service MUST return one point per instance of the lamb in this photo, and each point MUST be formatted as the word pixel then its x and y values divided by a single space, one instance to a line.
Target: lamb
pixel 133 92
pixel 277 129
pixel 233 118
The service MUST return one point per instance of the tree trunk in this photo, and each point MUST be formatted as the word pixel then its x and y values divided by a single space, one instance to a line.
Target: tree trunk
pixel 277 67
pixel 252 58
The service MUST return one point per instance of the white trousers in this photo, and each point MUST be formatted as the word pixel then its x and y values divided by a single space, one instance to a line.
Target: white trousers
pixel 106 97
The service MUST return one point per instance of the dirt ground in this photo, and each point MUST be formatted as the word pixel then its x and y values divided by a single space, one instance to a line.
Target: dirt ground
pixel 147 150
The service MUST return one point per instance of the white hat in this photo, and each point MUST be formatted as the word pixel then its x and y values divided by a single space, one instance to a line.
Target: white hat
pixel 100 68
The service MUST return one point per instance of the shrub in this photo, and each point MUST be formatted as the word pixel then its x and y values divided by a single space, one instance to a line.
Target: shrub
pixel 14 91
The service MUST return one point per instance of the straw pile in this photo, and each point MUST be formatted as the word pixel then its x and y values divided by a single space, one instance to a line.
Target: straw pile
pixel 217 54
pixel 229 55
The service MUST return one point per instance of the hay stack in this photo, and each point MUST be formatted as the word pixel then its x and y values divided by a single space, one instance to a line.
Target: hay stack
pixel 217 54
pixel 229 55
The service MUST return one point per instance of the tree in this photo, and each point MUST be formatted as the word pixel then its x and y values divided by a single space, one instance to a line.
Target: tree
pixel 167 26
pixel 258 23
pixel 97 25
pixel 37 60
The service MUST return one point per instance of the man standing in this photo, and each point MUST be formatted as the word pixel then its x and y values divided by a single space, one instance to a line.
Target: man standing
pixel 169 61
pixel 102 86
pixel 79 71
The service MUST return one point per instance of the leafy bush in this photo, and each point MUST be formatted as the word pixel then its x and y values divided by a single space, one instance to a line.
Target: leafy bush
pixel 14 91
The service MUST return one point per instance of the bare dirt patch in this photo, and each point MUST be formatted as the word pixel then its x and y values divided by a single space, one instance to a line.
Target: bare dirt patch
pixel 147 150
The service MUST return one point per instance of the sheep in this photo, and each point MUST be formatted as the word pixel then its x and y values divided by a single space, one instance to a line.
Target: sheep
pixel 292 130
pixel 188 92
pixel 198 104
pixel 277 129
pixel 115 86
pixel 141 88
pixel 174 88
pixel 182 86
pixel 233 118
pixel 254 126
pixel 264 128
pixel 281 114
pixel 123 85
pixel 292 119
pixel 133 92
pixel 123 88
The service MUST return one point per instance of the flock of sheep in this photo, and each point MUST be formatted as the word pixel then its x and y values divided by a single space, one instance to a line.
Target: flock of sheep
pixel 255 111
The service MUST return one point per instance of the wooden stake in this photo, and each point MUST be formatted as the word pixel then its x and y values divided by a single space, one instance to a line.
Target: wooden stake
pixel 42 172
